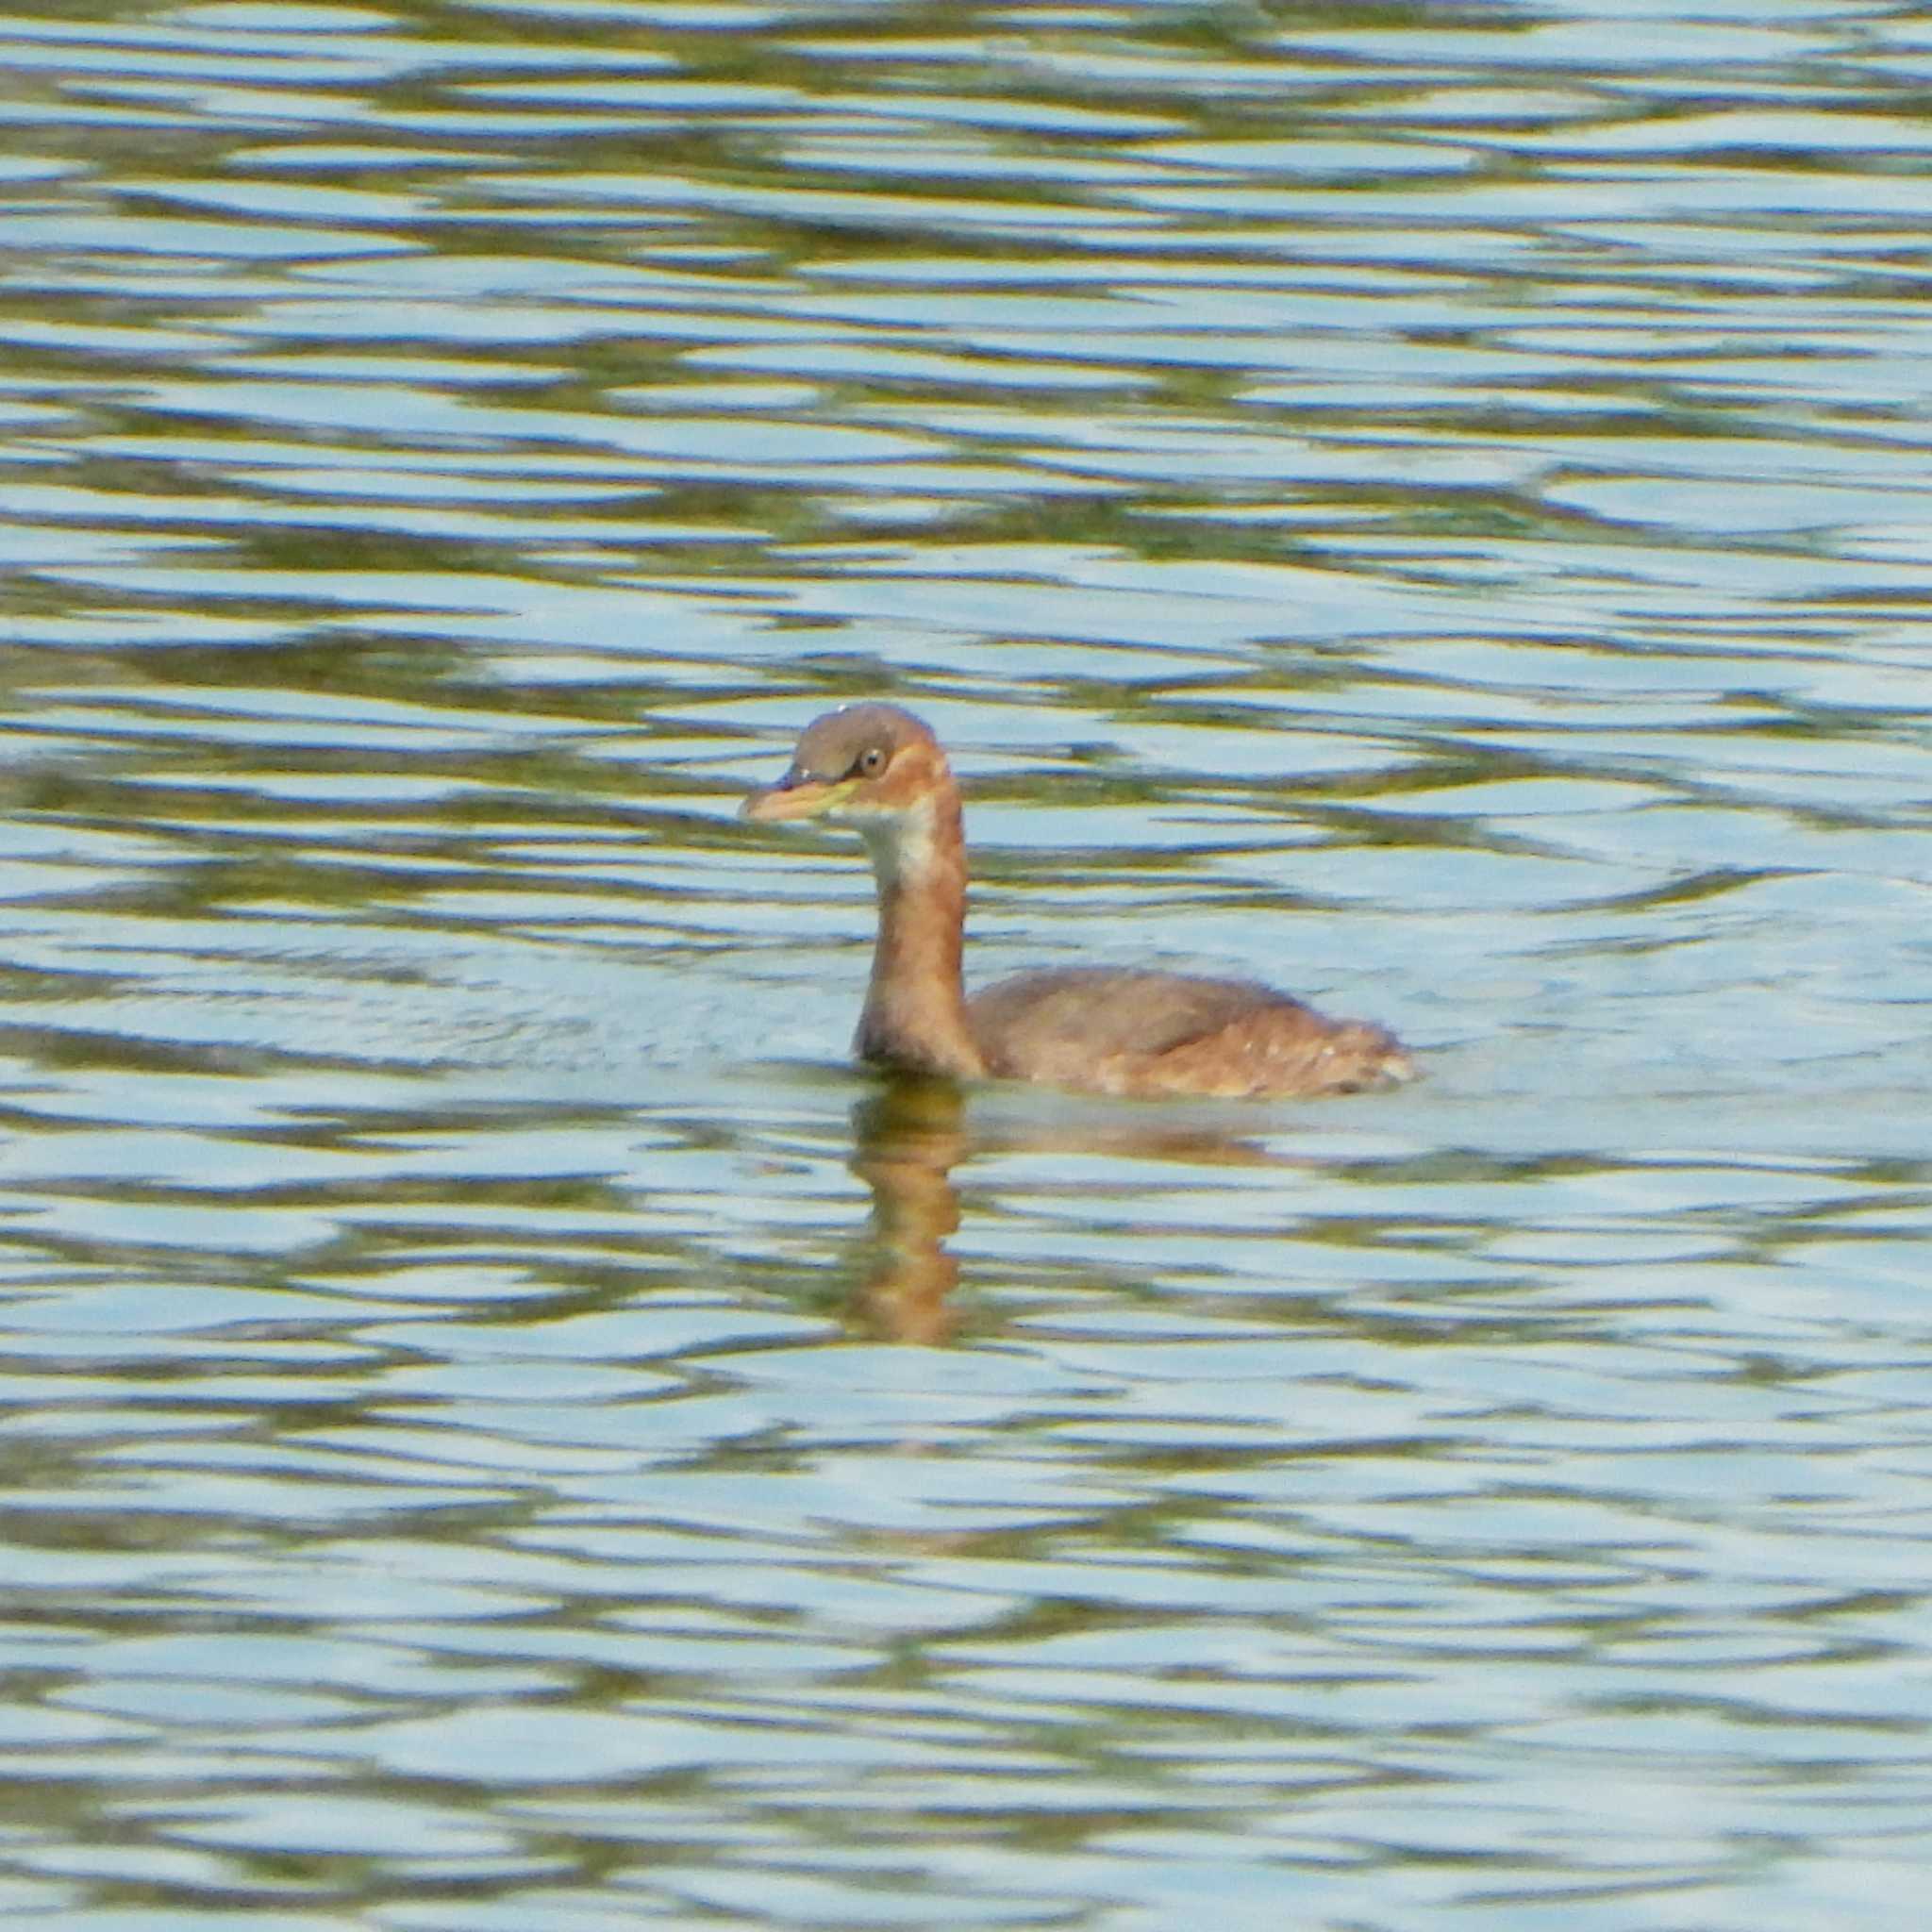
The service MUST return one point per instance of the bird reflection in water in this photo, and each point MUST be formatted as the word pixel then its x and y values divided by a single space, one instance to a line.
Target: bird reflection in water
pixel 908 1136
pixel 909 1133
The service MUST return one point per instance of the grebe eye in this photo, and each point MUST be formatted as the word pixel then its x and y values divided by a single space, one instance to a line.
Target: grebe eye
pixel 872 762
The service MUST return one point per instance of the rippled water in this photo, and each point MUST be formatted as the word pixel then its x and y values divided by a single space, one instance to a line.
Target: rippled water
pixel 503 1427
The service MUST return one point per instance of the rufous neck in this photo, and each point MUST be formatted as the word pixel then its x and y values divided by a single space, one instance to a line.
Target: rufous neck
pixel 915 1008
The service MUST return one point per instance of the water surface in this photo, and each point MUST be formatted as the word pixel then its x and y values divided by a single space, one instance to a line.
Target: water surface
pixel 504 1426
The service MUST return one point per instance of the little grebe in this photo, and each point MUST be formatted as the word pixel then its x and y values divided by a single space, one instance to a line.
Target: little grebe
pixel 879 771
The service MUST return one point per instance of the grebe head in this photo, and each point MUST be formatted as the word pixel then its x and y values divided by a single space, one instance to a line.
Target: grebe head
pixel 871 767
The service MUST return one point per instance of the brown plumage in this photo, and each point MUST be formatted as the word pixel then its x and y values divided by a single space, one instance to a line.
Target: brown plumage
pixel 879 771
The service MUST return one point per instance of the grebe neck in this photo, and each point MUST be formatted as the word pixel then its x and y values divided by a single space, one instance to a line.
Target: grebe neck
pixel 915 1007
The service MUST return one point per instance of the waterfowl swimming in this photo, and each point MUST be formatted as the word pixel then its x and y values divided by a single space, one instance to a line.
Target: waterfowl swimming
pixel 880 771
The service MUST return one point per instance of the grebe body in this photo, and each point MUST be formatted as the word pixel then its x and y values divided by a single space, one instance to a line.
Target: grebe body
pixel 880 771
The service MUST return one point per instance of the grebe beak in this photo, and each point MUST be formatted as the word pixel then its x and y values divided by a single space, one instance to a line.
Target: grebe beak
pixel 796 795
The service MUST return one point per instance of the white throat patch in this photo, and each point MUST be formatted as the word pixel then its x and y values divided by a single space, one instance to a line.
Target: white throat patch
pixel 901 843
